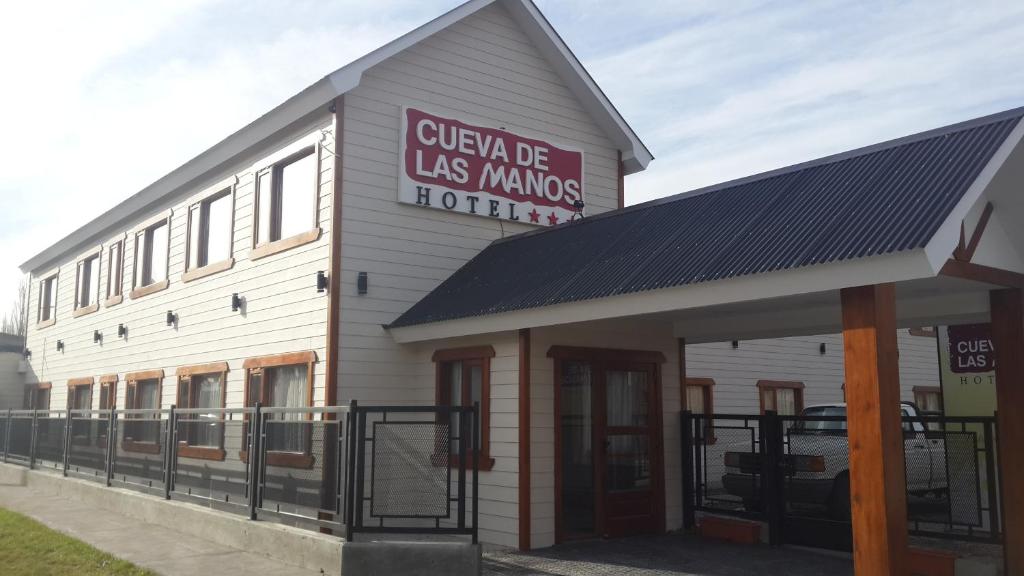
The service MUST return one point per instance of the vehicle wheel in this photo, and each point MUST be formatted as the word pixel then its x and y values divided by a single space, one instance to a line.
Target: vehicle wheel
pixel 839 500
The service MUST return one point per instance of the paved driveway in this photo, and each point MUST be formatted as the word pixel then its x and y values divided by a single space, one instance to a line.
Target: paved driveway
pixel 670 555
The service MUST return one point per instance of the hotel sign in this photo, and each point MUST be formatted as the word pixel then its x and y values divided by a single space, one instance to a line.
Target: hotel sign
pixel 970 348
pixel 450 165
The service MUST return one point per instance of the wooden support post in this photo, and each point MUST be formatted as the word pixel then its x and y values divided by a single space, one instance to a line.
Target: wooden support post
pixel 1007 310
pixel 525 524
pixel 878 492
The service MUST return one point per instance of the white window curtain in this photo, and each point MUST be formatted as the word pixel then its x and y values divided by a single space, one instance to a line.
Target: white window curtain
pixel 695 399
pixel 287 388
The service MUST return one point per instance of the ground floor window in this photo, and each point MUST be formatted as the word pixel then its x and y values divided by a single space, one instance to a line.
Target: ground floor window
pixel 142 392
pixel 37 396
pixel 928 398
pixel 700 400
pixel 80 394
pixel 784 397
pixel 201 435
pixel 463 379
pixel 108 392
pixel 284 381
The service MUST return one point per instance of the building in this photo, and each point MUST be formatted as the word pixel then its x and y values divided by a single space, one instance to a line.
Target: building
pixel 443 220
pixel 11 368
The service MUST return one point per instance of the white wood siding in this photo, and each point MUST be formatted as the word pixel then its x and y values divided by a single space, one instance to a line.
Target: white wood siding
pixel 282 313
pixel 482 70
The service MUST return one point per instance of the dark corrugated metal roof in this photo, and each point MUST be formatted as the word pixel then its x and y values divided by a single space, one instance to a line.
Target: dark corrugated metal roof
pixel 877 200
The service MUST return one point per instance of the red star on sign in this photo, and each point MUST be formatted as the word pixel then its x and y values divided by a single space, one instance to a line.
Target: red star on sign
pixel 534 215
pixel 552 219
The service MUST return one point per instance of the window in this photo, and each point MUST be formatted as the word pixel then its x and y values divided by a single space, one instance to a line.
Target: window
pixel 284 381
pixel 115 272
pixel 928 398
pixel 210 225
pixel 37 396
pixel 108 392
pixel 201 435
pixel 87 285
pixel 47 315
pixel 286 204
pixel 700 400
pixel 785 398
pixel 151 251
pixel 80 394
pixel 463 378
pixel 142 392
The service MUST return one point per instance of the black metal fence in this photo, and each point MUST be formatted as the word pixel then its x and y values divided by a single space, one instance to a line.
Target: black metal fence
pixel 293 465
pixel 792 473
pixel 414 470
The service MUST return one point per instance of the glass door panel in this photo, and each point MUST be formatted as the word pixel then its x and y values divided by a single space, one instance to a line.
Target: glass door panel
pixel 577 451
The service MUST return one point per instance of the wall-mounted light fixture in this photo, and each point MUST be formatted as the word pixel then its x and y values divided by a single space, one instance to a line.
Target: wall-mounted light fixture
pixel 821 348
pixel 26 354
pixel 321 282
pixel 172 318
pixel 362 283
pixel 236 302
pixel 96 336
pixel 60 345
pixel 122 331
pixel 735 343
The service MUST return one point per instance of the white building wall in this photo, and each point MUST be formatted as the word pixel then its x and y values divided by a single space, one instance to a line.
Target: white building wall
pixel 485 71
pixel 282 313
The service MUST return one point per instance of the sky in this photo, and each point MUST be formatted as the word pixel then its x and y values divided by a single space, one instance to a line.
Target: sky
pixel 101 98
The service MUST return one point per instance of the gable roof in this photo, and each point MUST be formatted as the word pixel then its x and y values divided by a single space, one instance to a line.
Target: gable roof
pixel 635 155
pixel 883 199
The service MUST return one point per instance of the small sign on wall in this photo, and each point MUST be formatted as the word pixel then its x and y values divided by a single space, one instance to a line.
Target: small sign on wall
pixel 450 165
pixel 970 348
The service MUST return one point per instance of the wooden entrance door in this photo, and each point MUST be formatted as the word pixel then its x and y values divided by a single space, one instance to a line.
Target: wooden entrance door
pixel 609 479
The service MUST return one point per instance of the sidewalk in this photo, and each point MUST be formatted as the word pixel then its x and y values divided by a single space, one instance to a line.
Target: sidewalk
pixel 146 545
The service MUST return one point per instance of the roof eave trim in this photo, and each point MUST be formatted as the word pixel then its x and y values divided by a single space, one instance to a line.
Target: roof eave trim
pixel 899 267
pixel 940 247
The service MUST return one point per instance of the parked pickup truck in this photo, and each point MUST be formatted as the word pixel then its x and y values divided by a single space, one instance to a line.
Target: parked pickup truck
pixel 818 461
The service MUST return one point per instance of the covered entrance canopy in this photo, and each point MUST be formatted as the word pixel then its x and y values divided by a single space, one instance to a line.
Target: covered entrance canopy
pixel 918 231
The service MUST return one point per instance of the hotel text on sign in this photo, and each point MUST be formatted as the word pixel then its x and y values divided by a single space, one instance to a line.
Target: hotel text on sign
pixel 451 165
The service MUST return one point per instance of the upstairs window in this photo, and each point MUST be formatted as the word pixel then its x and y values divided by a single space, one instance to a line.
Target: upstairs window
pixel 115 272
pixel 87 285
pixel 151 252
pixel 210 224
pixel 286 203
pixel 47 314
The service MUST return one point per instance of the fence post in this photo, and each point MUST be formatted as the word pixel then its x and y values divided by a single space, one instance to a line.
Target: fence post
pixel 170 451
pixel 991 480
pixel 462 444
pixel 7 436
pixel 359 473
pixel 32 440
pixel 476 471
pixel 67 442
pixel 772 468
pixel 256 432
pixel 686 453
pixel 350 470
pixel 111 440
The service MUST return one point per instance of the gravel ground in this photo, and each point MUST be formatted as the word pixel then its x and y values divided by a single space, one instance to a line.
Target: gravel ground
pixel 669 555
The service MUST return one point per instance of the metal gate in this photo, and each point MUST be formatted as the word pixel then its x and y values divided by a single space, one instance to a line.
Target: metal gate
pixel 792 473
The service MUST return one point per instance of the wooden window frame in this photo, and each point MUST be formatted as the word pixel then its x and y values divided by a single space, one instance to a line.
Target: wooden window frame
pixel 40 322
pixel 252 366
pixel 796 386
pixel 185 374
pixel 262 248
pixel 708 384
pixel 74 384
pixel 928 390
pixel 108 381
pixel 115 276
pixel 201 203
pixel 140 291
pixel 131 381
pixel 80 310
pixel 481 356
pixel 31 395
